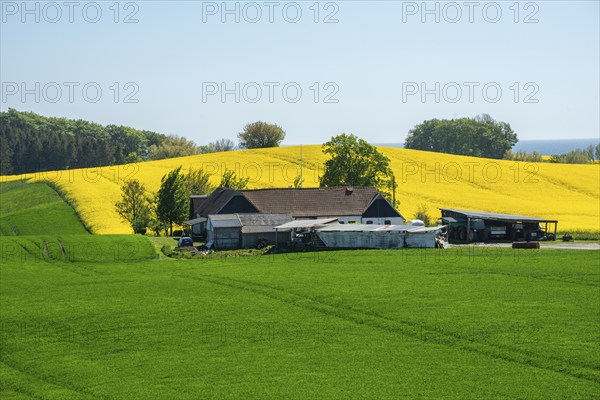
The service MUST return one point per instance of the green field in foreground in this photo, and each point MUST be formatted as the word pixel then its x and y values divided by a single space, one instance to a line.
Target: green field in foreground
pixel 100 317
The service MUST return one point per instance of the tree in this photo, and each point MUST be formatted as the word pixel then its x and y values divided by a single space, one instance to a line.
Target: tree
pixel 172 199
pixel 230 180
pixel 134 206
pixel 577 156
pixel 354 162
pixel 217 146
pixel 523 156
pixel 298 181
pixel 481 136
pixel 198 182
pixel 423 214
pixel 261 134
pixel 172 146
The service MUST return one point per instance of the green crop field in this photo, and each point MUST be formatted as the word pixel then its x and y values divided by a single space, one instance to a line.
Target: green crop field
pixel 114 323
pixel 87 317
pixel 35 208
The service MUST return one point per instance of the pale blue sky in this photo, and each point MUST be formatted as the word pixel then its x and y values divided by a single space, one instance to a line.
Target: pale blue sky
pixel 370 55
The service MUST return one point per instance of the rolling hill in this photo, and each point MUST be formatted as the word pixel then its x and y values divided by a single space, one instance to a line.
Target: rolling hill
pixel 569 193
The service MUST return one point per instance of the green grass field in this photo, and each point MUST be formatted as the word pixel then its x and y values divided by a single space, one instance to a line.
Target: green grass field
pixel 87 317
pixel 35 208
pixel 452 324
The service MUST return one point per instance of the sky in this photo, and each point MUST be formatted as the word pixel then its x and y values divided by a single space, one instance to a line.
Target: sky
pixel 375 69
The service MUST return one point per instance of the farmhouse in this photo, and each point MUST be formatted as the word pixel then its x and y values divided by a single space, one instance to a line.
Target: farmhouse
pixel 348 204
pixel 479 226
pixel 234 231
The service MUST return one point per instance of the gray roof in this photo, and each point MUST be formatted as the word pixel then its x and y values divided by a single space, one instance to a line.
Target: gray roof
pixel 266 222
pixel 264 219
pixel 258 229
pixel 194 221
pixel 497 216
pixel 225 221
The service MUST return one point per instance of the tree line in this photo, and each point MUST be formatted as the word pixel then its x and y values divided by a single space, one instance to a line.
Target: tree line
pixel 30 142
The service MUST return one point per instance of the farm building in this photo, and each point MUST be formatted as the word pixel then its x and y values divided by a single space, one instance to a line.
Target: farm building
pixel 479 226
pixel 234 231
pixel 349 205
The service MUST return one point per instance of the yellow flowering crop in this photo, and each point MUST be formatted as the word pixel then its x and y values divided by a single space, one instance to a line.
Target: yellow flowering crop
pixel 569 193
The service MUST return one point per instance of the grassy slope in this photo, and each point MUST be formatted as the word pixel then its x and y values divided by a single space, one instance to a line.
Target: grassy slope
pixel 34 209
pixel 377 324
pixel 568 193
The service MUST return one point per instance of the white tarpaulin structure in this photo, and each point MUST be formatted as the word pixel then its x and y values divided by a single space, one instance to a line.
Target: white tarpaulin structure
pixel 355 236
pixel 305 224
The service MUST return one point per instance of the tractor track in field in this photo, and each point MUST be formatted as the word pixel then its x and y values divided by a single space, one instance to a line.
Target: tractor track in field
pixel 81 391
pixel 408 328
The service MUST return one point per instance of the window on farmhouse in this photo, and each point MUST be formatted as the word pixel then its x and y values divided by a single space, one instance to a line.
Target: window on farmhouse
pixel 369 222
pixel 387 222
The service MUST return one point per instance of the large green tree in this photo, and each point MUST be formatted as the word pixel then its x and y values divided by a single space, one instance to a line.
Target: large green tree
pixel 197 181
pixel 134 206
pixel 354 162
pixel 172 199
pixel 261 134
pixel 481 136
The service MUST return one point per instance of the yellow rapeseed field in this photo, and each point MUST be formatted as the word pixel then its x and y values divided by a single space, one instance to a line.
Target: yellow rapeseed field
pixel 569 193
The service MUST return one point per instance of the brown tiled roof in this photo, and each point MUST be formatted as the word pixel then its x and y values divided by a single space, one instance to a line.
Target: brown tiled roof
pixel 300 203
pixel 335 201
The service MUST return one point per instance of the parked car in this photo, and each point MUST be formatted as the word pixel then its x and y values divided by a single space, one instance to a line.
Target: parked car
pixel 185 241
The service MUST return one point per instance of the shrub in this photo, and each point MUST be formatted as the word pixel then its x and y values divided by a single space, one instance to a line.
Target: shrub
pixel 423 215
pixel 177 232
pixel 167 250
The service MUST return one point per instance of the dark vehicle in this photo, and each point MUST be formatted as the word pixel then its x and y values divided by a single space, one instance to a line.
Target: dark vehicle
pixel 185 241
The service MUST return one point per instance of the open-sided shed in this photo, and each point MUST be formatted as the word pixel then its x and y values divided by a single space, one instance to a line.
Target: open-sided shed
pixel 480 226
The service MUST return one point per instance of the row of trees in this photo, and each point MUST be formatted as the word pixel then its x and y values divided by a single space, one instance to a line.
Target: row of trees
pixel 31 143
pixel 169 206
pixel 589 155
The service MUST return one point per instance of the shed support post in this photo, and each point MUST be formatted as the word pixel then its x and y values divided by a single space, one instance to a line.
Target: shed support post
pixel 555 226
pixel 468 229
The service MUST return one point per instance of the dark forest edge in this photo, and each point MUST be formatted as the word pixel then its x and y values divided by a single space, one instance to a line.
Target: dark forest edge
pixel 30 142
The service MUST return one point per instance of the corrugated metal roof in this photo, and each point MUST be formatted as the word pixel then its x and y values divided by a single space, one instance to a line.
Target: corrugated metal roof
pixel 258 229
pixel 195 221
pixel 264 219
pixel 225 221
pixel 306 223
pixel 497 216
pixel 262 222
